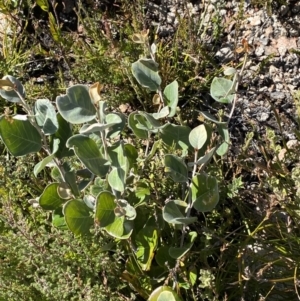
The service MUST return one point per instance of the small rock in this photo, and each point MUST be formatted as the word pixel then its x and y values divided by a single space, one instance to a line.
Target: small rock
pixel 255 21
pixel 284 10
pixel 254 68
pixel 223 12
pixel 124 107
pixel 281 154
pixel 259 51
pixel 80 29
pixel 296 8
pixel 262 116
pixel 294 32
pixel 292 144
pixel 210 8
pixel 269 31
pixel 277 95
pixel 291 136
pixel 277 79
pixel 273 70
pixel 279 86
pixel 264 41
pixel 224 52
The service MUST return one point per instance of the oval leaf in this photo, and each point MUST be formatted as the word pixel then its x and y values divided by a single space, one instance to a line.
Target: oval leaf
pixel 229 71
pixel 205 159
pixel 116 226
pixel 78 218
pixel 176 168
pixel 164 293
pixel 221 90
pixel 45 116
pixel 224 133
pixel 20 137
pixel 205 192
pixel 119 121
pixel 50 199
pixel 146 73
pixel 164 112
pixel 150 118
pixel 133 124
pixel 198 137
pixel 76 106
pixel 95 127
pixel 117 176
pixel 9 94
pixel 176 136
pixel 174 213
pixel 89 154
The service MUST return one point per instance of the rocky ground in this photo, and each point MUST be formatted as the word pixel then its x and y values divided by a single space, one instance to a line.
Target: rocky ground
pixel 266 96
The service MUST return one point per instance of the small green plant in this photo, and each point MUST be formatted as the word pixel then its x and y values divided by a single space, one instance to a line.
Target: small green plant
pixel 100 177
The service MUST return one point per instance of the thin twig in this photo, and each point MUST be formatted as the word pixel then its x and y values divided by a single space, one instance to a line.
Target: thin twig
pixel 237 81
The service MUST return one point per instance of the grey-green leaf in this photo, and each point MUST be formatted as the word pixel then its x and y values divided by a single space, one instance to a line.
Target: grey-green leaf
pixel 229 71
pixel 176 168
pixel 224 133
pixel 146 73
pixel 204 159
pixel 117 226
pixel 78 218
pixel 20 136
pixel 150 118
pixel 176 135
pixel 221 90
pixel 164 112
pixel 11 95
pixel 171 94
pixel 50 199
pixel 63 133
pixel 95 127
pixel 205 192
pixel 119 119
pixel 174 212
pixel 45 116
pixel 119 161
pixel 133 124
pixel 198 137
pixel 76 106
pixel 89 154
